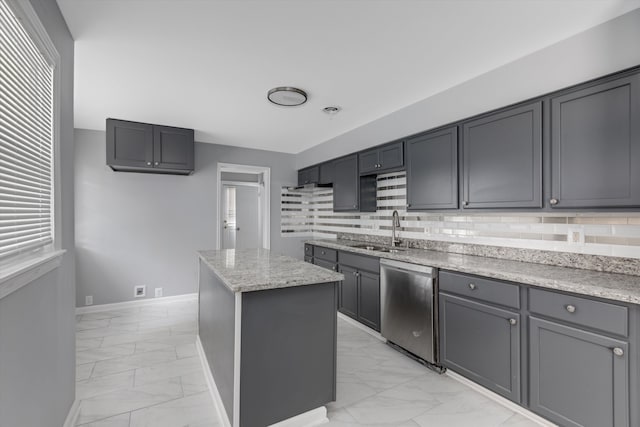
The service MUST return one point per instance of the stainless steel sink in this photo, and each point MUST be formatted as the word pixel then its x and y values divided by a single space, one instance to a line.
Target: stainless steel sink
pixel 375 248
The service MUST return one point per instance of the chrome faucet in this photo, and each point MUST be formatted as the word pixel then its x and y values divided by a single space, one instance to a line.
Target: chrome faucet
pixel 395 223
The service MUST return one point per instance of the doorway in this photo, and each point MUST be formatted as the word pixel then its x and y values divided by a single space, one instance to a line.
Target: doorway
pixel 243 200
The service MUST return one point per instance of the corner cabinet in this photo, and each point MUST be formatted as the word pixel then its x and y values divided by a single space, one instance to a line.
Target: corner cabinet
pixel 143 147
pixel 502 159
pixel 386 158
pixel 595 146
pixel 432 170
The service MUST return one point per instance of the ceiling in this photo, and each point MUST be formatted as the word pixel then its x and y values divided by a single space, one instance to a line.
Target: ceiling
pixel 208 64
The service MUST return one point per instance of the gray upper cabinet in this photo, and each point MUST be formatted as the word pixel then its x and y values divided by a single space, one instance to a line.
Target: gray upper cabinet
pixel 595 146
pixel 502 159
pixel 309 175
pixel 142 147
pixel 352 192
pixel 173 148
pixel 381 159
pixel 578 378
pixel 346 182
pixel 432 170
pixel 481 342
pixel 326 173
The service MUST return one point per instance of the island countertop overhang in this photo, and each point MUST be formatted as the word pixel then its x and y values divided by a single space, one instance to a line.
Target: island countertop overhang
pixel 248 270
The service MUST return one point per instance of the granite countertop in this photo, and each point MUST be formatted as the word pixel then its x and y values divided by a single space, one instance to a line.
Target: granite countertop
pixel 618 287
pixel 245 270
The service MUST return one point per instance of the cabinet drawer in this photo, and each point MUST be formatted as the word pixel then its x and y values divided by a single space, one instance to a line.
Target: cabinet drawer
pixel 308 249
pixel 603 316
pixel 325 254
pixel 325 264
pixel 481 289
pixel 360 262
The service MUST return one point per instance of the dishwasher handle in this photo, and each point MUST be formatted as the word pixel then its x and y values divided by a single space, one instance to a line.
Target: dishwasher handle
pixel 405 266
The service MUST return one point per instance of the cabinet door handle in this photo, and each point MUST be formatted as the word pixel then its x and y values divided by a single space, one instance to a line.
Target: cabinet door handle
pixel 618 352
pixel 408 205
pixel 323 252
pixel 513 322
pixel 333 268
pixel 553 201
pixel 472 286
pixel 157 163
pixel 148 163
pixel 465 203
pixel 570 308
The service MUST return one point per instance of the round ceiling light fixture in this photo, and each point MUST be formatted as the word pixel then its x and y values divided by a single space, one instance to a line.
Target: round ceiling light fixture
pixel 331 110
pixel 287 96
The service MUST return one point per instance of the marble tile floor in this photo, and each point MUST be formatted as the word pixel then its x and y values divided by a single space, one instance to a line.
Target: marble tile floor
pixel 138 367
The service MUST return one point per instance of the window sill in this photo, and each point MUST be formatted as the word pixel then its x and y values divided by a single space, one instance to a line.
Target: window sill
pixel 22 273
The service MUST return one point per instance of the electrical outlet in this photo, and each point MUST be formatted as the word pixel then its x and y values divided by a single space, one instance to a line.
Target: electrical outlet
pixel 140 291
pixel 158 292
pixel 575 235
pixel 88 300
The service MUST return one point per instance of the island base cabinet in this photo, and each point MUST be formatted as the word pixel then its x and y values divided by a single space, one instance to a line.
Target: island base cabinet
pixel 482 343
pixel 578 378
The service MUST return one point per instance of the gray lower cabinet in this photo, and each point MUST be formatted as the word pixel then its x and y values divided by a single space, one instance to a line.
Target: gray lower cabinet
pixel 481 342
pixel 502 159
pixel 348 292
pixel 359 292
pixel 595 146
pixel 325 264
pixel 578 378
pixel 143 147
pixel 369 299
pixel 432 170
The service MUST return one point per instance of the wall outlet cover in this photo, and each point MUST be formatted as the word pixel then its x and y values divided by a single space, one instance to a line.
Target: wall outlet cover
pixel 140 291
pixel 158 292
pixel 88 300
pixel 575 235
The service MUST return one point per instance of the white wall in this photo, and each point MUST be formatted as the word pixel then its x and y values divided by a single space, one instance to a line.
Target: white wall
pixel 145 229
pixel 604 49
pixel 37 322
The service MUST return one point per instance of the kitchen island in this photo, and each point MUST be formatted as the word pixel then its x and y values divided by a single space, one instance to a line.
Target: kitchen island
pixel 267 331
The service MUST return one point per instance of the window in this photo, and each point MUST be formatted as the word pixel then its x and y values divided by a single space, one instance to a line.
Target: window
pixel 26 140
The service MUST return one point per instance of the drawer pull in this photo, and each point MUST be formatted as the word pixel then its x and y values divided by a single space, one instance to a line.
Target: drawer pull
pixel 618 351
pixel 472 286
pixel 570 308
pixel 323 252
pixel 513 321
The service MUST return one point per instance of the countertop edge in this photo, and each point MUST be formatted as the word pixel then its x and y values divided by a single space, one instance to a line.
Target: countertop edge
pixel 608 293
pixel 272 285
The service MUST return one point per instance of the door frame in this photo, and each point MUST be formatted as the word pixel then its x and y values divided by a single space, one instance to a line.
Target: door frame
pixel 264 199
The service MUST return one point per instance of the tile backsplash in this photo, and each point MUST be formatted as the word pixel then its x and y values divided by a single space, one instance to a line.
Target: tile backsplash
pixel 311 214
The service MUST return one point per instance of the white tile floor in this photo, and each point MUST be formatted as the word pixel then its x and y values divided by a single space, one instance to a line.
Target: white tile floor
pixel 138 367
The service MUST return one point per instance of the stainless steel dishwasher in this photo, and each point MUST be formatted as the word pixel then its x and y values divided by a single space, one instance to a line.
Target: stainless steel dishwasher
pixel 409 308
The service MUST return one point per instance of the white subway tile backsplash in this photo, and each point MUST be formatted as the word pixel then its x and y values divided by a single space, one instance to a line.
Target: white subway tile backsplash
pixel 606 234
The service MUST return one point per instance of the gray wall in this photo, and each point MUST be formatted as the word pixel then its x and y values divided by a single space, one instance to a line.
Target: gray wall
pixel 144 229
pixel 607 48
pixel 37 322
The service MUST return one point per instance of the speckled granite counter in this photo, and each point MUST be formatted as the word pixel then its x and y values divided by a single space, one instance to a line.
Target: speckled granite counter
pixel 618 287
pixel 245 270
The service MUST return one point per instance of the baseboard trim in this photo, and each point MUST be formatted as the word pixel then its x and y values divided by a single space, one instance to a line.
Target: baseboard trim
pixel 312 418
pixel 360 326
pixel 132 304
pixel 72 416
pixel 501 400
pixel 211 384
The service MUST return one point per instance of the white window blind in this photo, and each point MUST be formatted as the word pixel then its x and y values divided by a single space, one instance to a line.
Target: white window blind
pixel 26 140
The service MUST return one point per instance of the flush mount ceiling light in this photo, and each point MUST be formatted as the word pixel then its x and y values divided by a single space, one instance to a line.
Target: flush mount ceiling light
pixel 287 96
